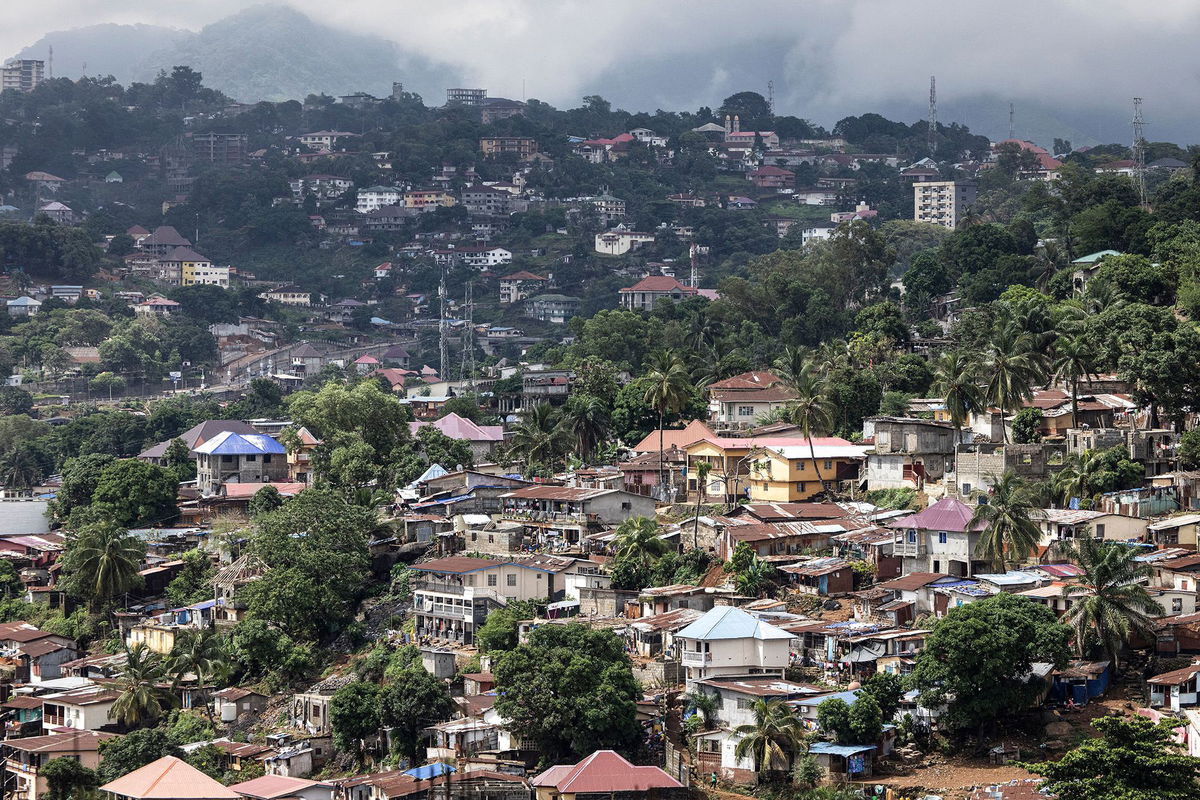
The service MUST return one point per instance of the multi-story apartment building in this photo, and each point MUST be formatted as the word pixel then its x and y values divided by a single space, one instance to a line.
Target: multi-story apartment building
pixel 942 202
pixel 374 198
pixel 940 539
pixel 428 199
pixel 465 97
pixel 523 146
pixel 553 308
pixel 519 285
pixel 204 274
pixel 323 187
pixel 183 261
pixel 22 74
pixel 453 596
pixel 220 148
pixel 239 458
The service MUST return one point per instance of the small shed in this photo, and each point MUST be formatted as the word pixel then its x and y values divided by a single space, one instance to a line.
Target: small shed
pixel 844 762
pixel 1081 681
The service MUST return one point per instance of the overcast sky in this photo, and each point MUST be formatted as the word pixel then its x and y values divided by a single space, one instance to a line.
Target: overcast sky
pixel 827 57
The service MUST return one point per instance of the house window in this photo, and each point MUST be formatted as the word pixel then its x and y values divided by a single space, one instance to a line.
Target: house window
pixel 491 538
pixel 1177 605
pixel 937 566
pixel 512 579
pixel 251 459
pixel 912 536
pixel 226 459
pixel 799 486
pixel 491 580
pixel 267 458
pixel 745 411
pixel 1100 530
pixel 626 506
pixel 744 705
pixel 827 464
pixel 942 537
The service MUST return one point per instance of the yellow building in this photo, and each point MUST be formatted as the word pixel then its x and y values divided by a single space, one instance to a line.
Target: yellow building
pixel 204 274
pixel 770 468
pixel 184 263
pixel 427 198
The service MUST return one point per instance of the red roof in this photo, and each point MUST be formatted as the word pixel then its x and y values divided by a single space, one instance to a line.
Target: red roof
pixel 659 283
pixel 605 772
pixel 271 786
pixel 947 514
pixel 756 379
pixel 523 275
pixel 694 431
pixel 774 171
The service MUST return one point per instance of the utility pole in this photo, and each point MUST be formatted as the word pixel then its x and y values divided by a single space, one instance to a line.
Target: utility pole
pixel 1139 150
pixel 931 126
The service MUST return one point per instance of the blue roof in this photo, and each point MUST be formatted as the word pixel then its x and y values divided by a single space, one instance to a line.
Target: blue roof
pixel 844 750
pixel 430 771
pixel 728 622
pixel 847 697
pixel 228 443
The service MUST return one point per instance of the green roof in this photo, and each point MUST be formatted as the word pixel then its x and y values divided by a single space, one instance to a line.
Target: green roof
pixel 561 298
pixel 1094 257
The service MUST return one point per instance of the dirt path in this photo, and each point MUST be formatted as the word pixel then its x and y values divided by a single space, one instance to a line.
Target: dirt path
pixel 955 778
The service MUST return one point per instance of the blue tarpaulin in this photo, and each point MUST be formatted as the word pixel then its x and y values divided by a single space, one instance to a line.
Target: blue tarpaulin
pixel 430 771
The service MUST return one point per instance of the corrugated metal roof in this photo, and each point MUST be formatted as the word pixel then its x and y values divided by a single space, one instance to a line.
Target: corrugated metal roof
pixel 728 622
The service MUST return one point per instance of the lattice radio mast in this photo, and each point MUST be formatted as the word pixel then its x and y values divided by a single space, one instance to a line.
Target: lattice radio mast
pixel 771 97
pixel 694 280
pixel 1011 129
pixel 443 330
pixel 932 124
pixel 466 370
pixel 1139 149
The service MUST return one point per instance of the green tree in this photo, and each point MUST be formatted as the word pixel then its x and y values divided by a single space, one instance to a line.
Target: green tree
pixel 412 702
pixel 666 391
pixel 141 701
pixel 193 582
pixel 200 655
pixel 80 477
pixel 887 689
pixel 1132 759
pixel 1011 369
pixel 1006 521
pixel 1074 359
pixel 706 704
pixel 775 736
pixel 101 562
pixel 810 408
pixel 977 659
pixel 1027 426
pixel 135 492
pixel 833 718
pixel 637 540
pixel 67 779
pixel 354 716
pixel 570 691
pixel 866 719
pixel 540 439
pixel 14 400
pixel 586 416
pixel 1114 604
pixel 956 381
pixel 1189 449
pixel 313 579
pixel 264 501
pixel 134 750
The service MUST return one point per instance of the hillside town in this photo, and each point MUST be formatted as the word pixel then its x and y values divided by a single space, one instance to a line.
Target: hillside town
pixel 362 448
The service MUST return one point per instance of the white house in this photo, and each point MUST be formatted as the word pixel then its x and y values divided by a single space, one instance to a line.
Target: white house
pixel 620 241
pixel 1176 689
pixel 374 198
pixel 730 641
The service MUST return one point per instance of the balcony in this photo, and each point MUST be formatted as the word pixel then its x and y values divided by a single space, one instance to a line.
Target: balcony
pixel 903 547
pixel 690 658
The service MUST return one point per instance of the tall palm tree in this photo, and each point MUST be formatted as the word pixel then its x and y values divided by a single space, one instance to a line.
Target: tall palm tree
pixel 703 468
pixel 1078 477
pixel 21 468
pixel 1116 604
pixel 1009 532
pixel 773 738
pixel 141 700
pixel 539 438
pixel 200 653
pixel 706 704
pixel 637 539
pixel 810 409
pixel 755 577
pixel 1074 358
pixel 667 390
pixel 1011 368
pixel 956 380
pixel 586 417
pixel 101 561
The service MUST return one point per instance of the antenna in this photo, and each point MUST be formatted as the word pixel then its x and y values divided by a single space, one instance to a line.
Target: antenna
pixel 523 98
pixel 1139 150
pixel 771 97
pixel 466 371
pixel 931 126
pixel 50 62
pixel 443 330
pixel 1010 121
pixel 694 281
